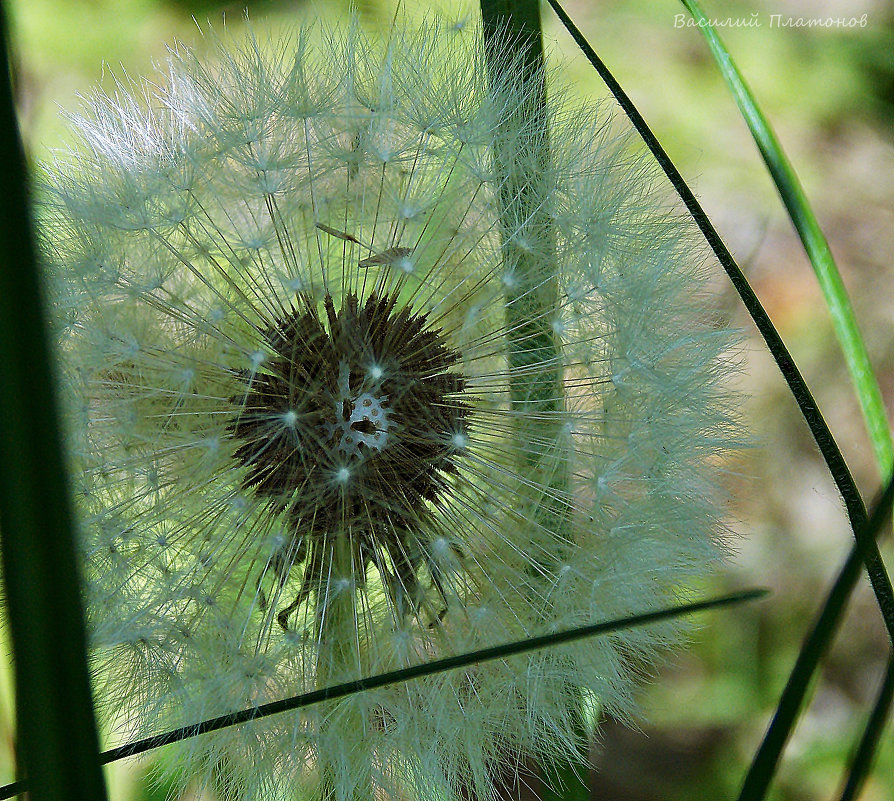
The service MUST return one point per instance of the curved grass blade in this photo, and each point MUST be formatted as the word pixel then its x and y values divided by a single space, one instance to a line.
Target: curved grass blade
pixel 841 475
pixel 865 546
pixel 815 245
pixel 862 759
pixel 56 730
pixel 815 645
pixel 406 674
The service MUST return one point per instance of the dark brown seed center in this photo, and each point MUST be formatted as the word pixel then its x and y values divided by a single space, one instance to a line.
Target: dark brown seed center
pixel 350 425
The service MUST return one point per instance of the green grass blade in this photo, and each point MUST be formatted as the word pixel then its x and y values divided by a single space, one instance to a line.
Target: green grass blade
pixel 865 546
pixel 815 244
pixel 763 766
pixel 57 740
pixel 828 447
pixel 862 759
pixel 406 674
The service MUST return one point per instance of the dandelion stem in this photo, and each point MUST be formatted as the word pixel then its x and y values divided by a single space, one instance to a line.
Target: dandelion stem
pixel 339 658
pixel 522 157
pixel 532 294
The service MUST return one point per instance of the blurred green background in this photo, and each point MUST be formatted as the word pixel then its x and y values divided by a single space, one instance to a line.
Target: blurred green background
pixel 828 91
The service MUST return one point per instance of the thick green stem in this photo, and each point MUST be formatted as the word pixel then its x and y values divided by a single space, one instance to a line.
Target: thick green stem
pixel 522 156
pixel 338 660
pixel 513 41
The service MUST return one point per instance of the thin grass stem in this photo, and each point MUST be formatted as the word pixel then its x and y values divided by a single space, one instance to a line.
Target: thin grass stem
pixel 861 763
pixel 831 453
pixel 406 674
pixel 763 766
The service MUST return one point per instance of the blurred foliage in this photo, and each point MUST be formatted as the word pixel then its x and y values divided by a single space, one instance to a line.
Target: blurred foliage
pixel 828 92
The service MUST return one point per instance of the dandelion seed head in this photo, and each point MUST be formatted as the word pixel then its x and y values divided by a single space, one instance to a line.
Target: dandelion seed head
pixel 337 407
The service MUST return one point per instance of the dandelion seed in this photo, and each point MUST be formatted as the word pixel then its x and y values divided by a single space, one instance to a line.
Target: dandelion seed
pixel 322 429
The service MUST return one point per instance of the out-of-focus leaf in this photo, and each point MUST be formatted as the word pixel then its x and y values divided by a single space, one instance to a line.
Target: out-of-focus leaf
pixel 57 741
